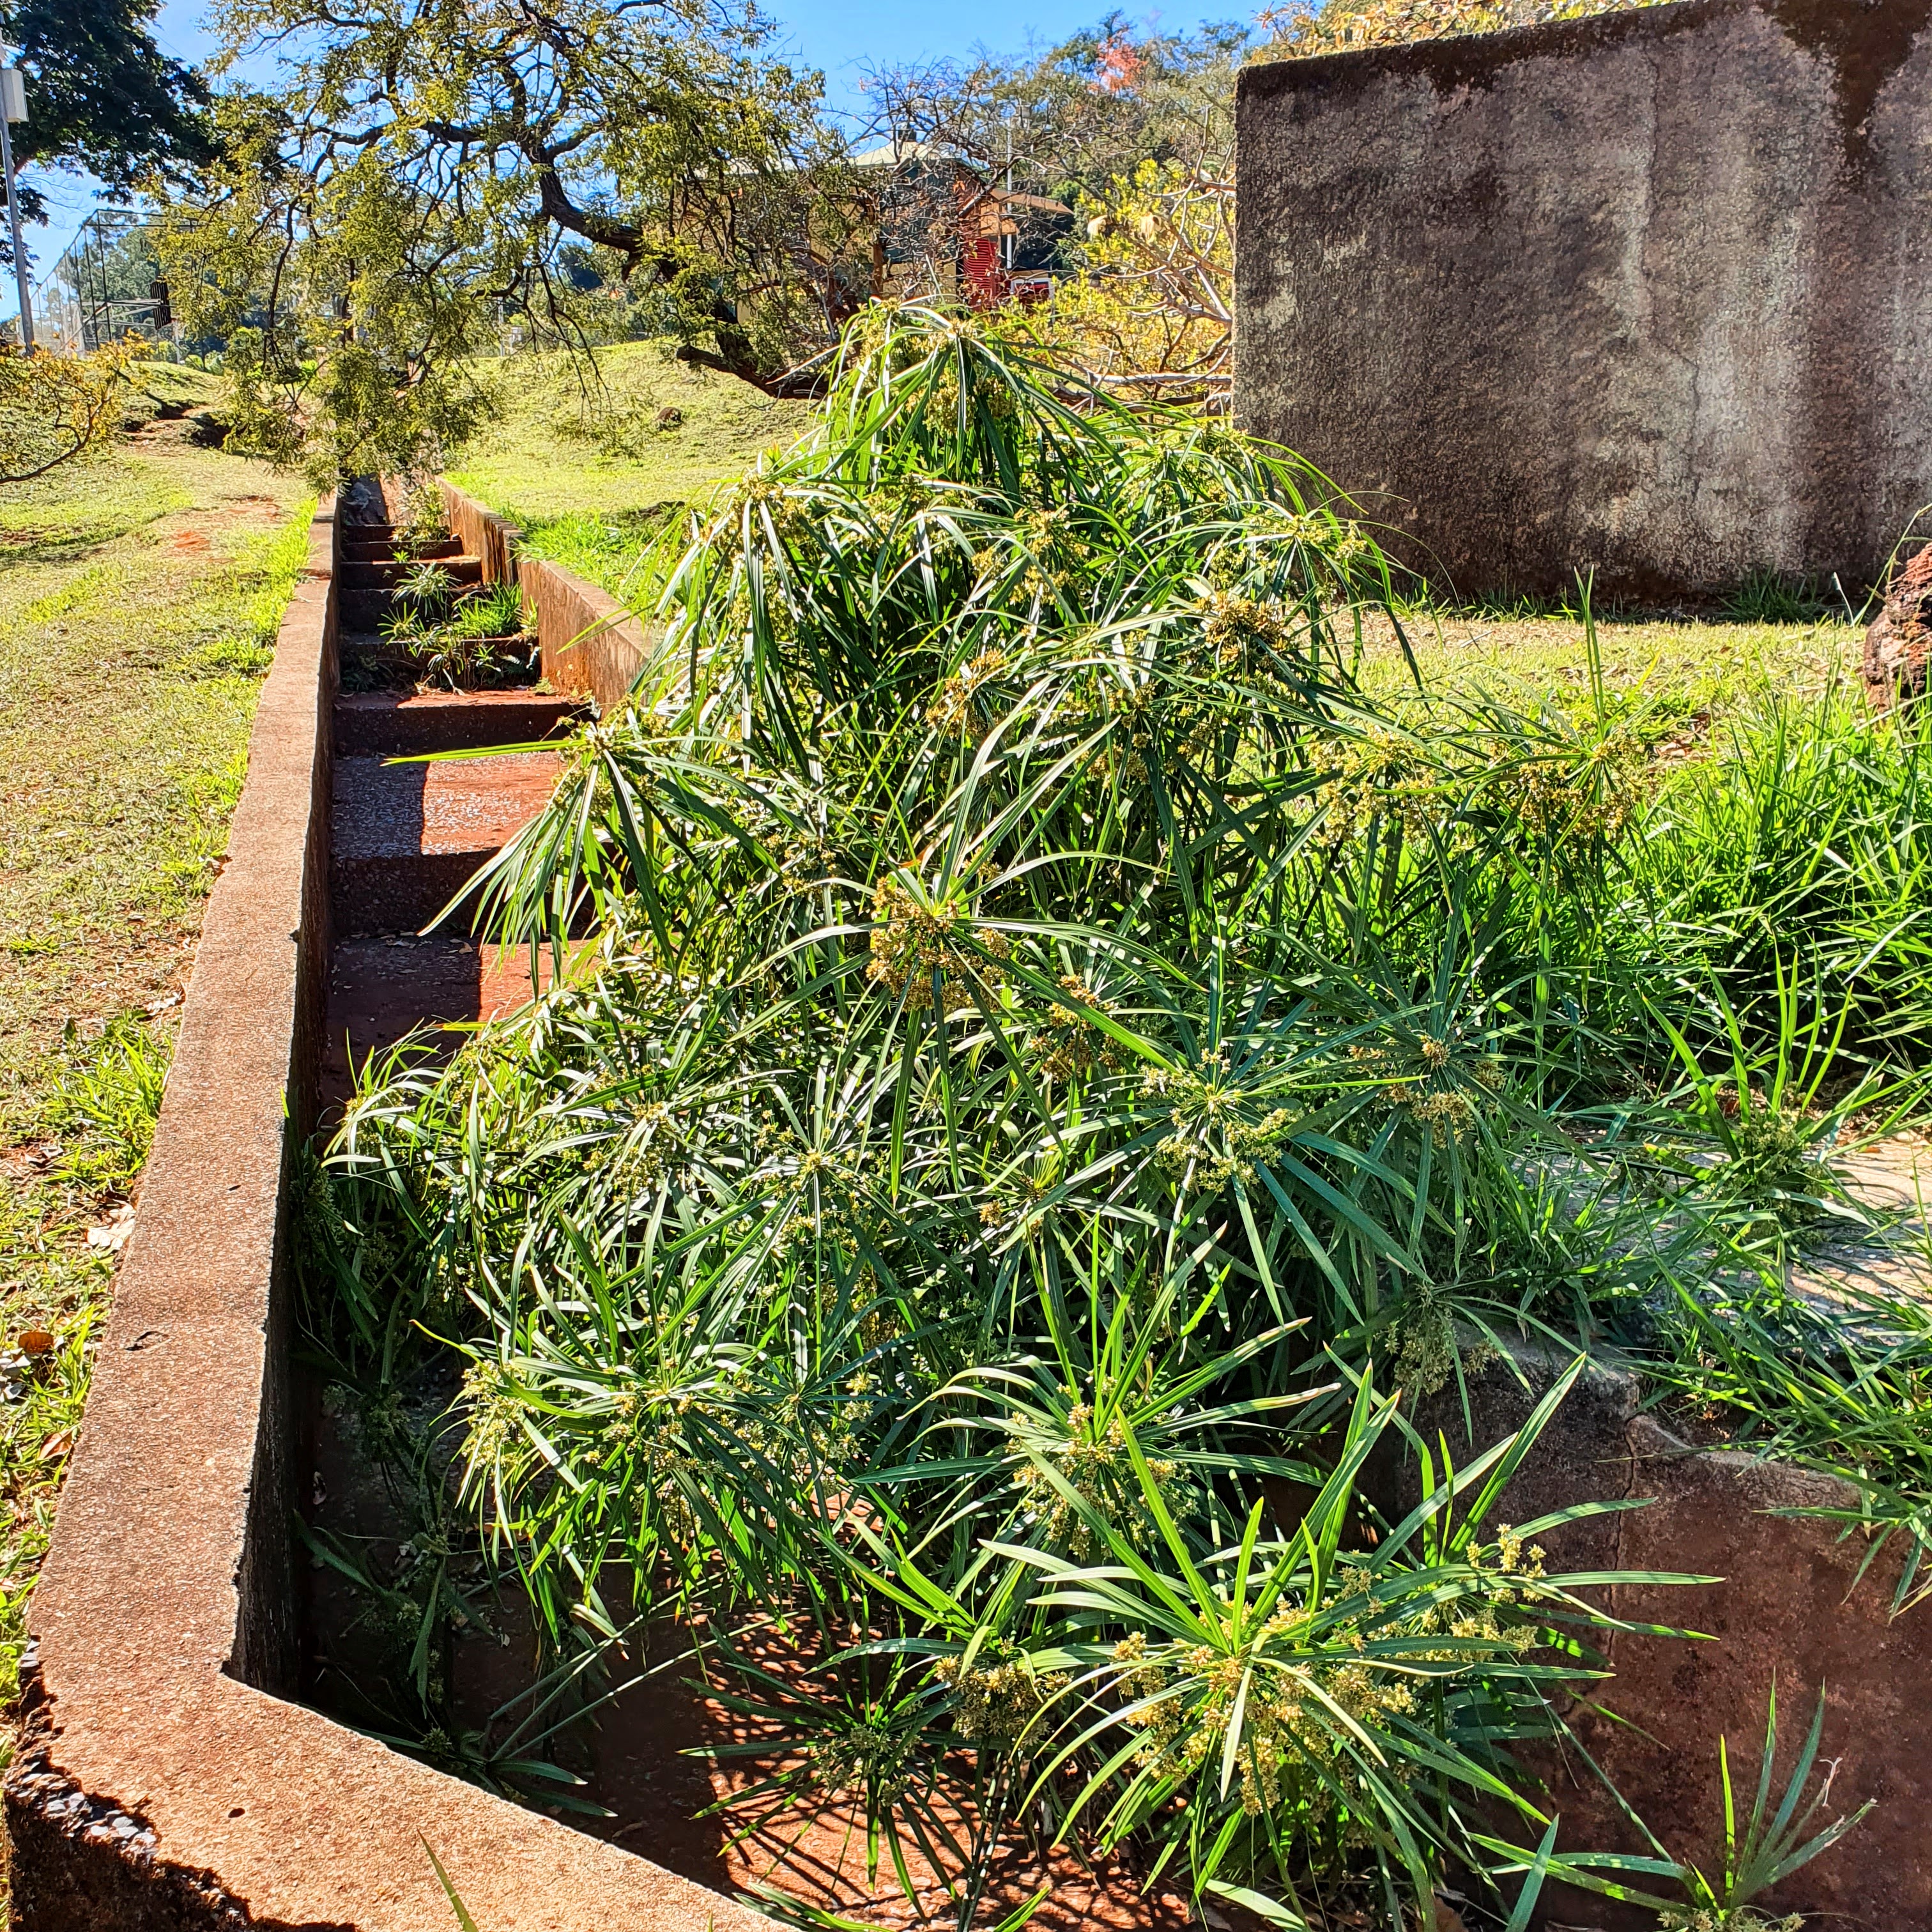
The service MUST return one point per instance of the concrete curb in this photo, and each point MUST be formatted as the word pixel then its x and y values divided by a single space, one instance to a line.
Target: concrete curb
pixel 164 1781
pixel 1795 1603
pixel 592 645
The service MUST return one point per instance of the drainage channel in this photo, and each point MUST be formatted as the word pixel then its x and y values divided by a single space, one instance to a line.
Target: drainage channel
pixel 388 1537
pixel 175 1768
pixel 406 837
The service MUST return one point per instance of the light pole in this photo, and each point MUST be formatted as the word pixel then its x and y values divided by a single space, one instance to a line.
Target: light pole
pixel 1009 109
pixel 13 107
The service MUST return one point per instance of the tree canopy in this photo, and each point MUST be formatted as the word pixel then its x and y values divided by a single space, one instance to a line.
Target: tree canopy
pixel 102 95
pixel 1070 121
pixel 1135 133
pixel 430 179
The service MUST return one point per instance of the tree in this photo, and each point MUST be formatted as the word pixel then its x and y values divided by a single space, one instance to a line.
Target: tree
pixel 1072 120
pixel 432 181
pixel 1151 313
pixel 102 95
pixel 1298 32
pixel 53 406
pixel 1138 135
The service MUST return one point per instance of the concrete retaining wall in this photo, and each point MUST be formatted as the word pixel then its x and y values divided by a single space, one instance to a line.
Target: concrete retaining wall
pixel 1648 292
pixel 592 645
pixel 1790 1608
pixel 483 534
pixel 163 1783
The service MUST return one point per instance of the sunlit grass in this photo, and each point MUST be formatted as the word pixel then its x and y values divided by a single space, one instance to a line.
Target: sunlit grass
pixel 590 471
pixel 1692 670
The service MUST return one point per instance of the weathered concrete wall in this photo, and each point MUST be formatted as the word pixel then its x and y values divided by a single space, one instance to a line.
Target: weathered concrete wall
pixel 1648 292
pixel 592 645
pixel 483 533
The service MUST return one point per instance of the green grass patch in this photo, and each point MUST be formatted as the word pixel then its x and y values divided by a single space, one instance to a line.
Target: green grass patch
pixel 592 466
pixel 613 552
pixel 1688 672
pixel 175 385
pixel 74 510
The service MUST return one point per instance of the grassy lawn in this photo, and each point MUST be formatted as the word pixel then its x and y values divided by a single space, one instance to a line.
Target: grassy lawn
pixel 590 471
pixel 1695 670
pixel 139 594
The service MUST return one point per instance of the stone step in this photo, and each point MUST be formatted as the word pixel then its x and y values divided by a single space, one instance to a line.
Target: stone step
pixel 387 721
pixel 1852 1273
pixel 383 573
pixel 407 838
pixel 363 542
pixel 362 610
pixel 381 988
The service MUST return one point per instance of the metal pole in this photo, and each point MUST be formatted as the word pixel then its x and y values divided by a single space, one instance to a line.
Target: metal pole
pixel 13 87
pixel 93 282
pixel 96 296
pixel 1007 242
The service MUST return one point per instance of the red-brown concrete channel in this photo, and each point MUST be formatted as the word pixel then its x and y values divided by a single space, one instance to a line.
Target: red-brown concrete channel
pixel 168 1777
pixel 406 836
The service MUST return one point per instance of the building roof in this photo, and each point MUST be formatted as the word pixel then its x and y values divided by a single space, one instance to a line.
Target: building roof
pixel 891 154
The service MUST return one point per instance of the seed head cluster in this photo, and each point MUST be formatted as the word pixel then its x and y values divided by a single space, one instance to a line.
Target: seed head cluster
pixel 1001 1695
pixel 1095 1461
pixel 1298 1688
pixel 912 940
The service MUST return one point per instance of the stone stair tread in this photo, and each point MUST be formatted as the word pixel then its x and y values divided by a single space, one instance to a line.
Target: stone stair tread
pixel 382 988
pixel 363 609
pixel 406 837
pixel 386 721
pixel 388 810
pixel 384 573
pixel 1892 1181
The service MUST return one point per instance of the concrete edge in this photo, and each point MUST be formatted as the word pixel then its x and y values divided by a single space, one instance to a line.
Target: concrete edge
pixel 1470 60
pixel 592 645
pixel 163 1782
pixel 1797 1602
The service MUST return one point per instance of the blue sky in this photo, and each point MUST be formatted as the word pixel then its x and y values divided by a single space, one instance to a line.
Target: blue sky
pixel 844 37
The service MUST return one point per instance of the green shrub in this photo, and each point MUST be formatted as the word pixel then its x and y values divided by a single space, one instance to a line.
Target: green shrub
pixel 1056 1057
pixel 108 1108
